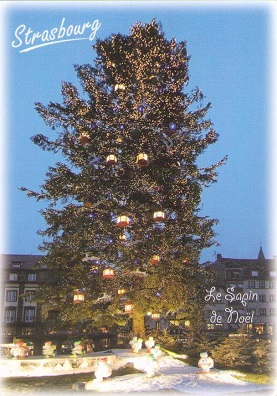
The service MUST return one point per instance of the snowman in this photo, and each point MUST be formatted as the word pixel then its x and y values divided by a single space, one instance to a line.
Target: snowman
pixel 78 348
pixel 48 349
pixel 149 344
pixel 152 366
pixel 19 350
pixel 156 351
pixel 104 370
pixel 136 344
pixel 205 362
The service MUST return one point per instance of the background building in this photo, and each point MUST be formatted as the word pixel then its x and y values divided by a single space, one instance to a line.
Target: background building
pixel 246 291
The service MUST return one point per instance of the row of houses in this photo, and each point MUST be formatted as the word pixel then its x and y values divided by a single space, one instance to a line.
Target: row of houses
pixel 244 292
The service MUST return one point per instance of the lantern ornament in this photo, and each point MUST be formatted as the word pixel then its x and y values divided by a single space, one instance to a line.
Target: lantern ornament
pixel 84 138
pixel 159 215
pixel 122 237
pixel 87 204
pixel 155 259
pixel 119 87
pixel 120 292
pixel 108 273
pixel 78 296
pixel 142 159
pixel 128 307
pixel 123 221
pixel 155 316
pixel 111 159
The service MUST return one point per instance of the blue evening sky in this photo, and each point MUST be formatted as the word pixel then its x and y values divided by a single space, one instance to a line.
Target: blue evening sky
pixel 230 49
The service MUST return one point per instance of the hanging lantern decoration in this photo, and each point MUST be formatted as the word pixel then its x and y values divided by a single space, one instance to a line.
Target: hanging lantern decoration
pixel 155 316
pixel 78 296
pixel 142 159
pixel 87 204
pixel 122 237
pixel 123 221
pixel 111 159
pixel 119 87
pixel 155 259
pixel 159 216
pixel 128 307
pixel 84 138
pixel 120 292
pixel 108 273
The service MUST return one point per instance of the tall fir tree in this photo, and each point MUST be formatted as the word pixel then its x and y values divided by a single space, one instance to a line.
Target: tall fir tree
pixel 126 196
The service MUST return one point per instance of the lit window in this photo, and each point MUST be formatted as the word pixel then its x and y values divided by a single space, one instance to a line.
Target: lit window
pixel 13 276
pixel 11 295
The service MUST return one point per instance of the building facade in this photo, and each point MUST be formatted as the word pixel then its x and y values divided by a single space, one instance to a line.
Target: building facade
pixel 244 293
pixel 21 275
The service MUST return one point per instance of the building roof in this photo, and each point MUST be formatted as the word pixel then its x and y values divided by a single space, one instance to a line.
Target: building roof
pixel 27 261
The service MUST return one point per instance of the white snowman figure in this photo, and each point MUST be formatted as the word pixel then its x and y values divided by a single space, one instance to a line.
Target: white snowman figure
pixel 149 343
pixel 78 348
pixel 104 370
pixel 19 350
pixel 205 362
pixel 156 351
pixel 48 349
pixel 133 340
pixel 152 366
pixel 136 344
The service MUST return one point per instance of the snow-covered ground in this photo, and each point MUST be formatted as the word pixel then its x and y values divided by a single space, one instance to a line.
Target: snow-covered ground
pixel 175 376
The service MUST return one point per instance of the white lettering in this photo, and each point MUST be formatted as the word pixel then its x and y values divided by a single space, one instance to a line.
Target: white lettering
pixel 32 40
pixel 17 33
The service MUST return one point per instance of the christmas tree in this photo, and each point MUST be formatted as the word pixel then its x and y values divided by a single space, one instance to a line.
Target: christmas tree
pixel 123 218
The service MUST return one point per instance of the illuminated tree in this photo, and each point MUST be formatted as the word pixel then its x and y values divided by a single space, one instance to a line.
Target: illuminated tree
pixel 127 193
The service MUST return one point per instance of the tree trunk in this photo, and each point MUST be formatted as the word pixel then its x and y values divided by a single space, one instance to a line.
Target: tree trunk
pixel 138 324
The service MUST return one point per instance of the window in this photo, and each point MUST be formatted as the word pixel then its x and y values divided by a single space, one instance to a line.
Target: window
pixel 29 315
pixel 10 315
pixel 30 295
pixel 11 295
pixel 272 297
pixel 32 277
pixel 272 311
pixel 13 276
pixel 254 273
pixel 262 312
pixel 262 298
pixel 272 273
pixel 251 285
pixel 17 264
pixel 271 285
pixel 262 285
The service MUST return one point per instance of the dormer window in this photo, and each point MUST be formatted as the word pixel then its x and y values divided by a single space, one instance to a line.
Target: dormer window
pixel 17 264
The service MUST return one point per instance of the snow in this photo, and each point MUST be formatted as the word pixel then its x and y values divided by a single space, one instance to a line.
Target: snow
pixel 175 376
